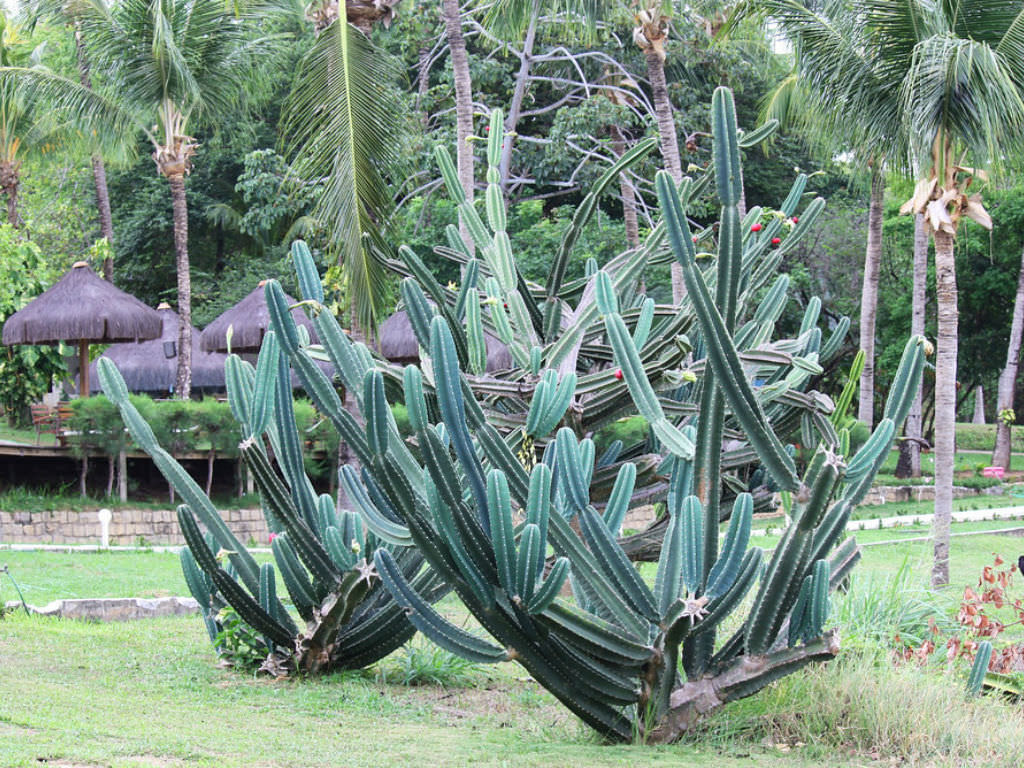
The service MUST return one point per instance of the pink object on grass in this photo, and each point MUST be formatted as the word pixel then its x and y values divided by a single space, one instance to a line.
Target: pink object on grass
pixel 996 472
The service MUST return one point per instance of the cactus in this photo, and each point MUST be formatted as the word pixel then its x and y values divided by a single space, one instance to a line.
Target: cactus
pixel 979 669
pixel 350 620
pixel 649 360
pixel 634 662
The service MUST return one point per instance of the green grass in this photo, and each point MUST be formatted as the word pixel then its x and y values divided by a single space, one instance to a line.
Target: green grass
pixel 966 461
pixel 982 437
pixel 900 508
pixel 148 693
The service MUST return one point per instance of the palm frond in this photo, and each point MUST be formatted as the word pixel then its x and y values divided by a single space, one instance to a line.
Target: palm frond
pixel 960 88
pixel 341 130
pixel 98 120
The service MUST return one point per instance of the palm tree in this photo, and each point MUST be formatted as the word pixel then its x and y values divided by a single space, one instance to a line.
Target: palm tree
pixel 66 11
pixel 955 72
pixel 25 124
pixel 451 13
pixel 1008 378
pixel 166 64
pixel 341 129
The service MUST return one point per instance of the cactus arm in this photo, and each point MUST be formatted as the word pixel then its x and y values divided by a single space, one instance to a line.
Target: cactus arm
pixel 668 583
pixel 646 400
pixel 429 621
pixel 502 533
pixel 723 573
pixel 467 291
pixel 603 639
pixel 263 394
pixel 618 566
pixel 980 667
pixel 549 589
pixel 114 387
pixel 583 214
pixel 721 352
pixel 447 380
pixel 586 569
pixel 905 383
pixel 376 521
pixel 238 598
pixel 724 604
pixel 618 502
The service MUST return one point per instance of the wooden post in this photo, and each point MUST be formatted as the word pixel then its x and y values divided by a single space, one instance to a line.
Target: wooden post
pixel 83 368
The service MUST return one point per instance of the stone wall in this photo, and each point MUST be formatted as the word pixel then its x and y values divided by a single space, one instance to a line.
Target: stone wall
pixel 883 494
pixel 127 527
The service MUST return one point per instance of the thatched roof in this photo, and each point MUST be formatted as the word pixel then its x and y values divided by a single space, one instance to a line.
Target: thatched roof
pixel 250 319
pixel 398 344
pixel 82 306
pixel 146 367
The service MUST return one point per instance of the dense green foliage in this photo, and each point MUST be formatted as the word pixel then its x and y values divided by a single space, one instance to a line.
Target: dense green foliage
pixel 27 371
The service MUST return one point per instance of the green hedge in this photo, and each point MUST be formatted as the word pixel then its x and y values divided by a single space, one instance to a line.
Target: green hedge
pixel 180 426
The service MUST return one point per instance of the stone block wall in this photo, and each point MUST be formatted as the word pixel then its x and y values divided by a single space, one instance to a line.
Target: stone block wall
pixel 127 527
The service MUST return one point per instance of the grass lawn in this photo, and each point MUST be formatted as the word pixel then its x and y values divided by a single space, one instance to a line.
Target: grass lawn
pixel 150 693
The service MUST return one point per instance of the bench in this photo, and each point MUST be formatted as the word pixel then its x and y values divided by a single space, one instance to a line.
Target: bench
pixel 996 472
pixel 51 420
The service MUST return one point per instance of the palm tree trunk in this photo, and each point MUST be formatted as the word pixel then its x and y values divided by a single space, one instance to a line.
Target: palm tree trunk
pixel 669 142
pixel 463 103
pixel 869 297
pixel 1008 377
pixel 99 170
pixel 979 405
pixel 629 218
pixel 917 318
pixel 945 402
pixel 183 387
pixel 9 183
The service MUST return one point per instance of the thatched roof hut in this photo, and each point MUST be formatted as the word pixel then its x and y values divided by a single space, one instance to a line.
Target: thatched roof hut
pixel 152 366
pixel 398 344
pixel 82 307
pixel 249 320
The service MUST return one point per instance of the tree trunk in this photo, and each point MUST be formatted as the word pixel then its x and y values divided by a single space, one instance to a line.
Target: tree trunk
pixel 99 170
pixel 463 104
pixel 515 106
pixel 629 218
pixel 183 387
pixel 12 205
pixel 209 471
pixel 111 464
pixel 669 142
pixel 423 83
pixel 945 402
pixel 1008 377
pixel 979 405
pixel 917 318
pixel 869 297
pixel 9 182
pixel 122 475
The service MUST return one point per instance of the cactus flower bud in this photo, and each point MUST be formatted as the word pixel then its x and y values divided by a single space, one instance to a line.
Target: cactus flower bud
pixel 776 240
pixel 756 227
pixel 618 374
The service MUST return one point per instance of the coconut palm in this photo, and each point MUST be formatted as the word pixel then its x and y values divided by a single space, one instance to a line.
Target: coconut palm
pixel 66 12
pixel 167 64
pixel 955 71
pixel 341 128
pixel 25 124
